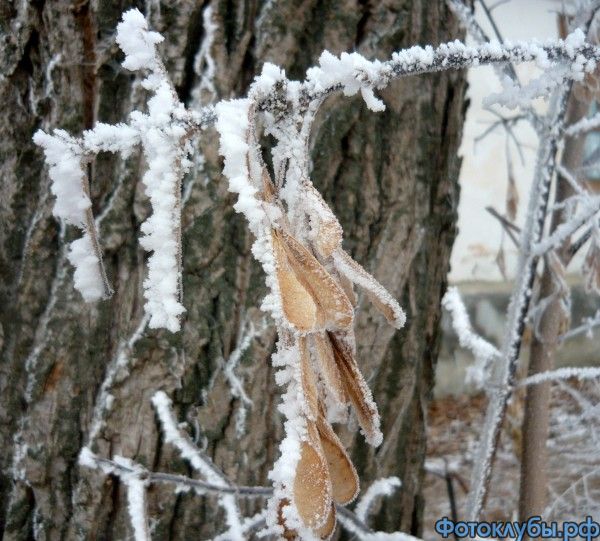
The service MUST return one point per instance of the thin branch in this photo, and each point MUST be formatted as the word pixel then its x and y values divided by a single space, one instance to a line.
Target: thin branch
pixel 508 226
pixel 566 229
pixel 123 468
pixel 581 373
pixel 467 17
pixel 492 21
pixel 518 307
pixel 181 480
pixel 587 327
pixel 584 126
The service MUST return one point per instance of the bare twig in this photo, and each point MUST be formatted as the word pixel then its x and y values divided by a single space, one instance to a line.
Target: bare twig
pixel 508 226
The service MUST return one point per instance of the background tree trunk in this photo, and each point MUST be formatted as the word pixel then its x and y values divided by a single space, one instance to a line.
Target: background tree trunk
pixel 391 178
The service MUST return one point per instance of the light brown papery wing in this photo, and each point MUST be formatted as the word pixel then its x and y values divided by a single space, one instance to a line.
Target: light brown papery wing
pixel 344 479
pixel 356 388
pixel 312 485
pixel 297 303
pixel 334 309
pixel 326 531
pixel 348 288
pixel 329 231
pixel 377 294
pixel 328 368
pixel 268 186
pixel 309 383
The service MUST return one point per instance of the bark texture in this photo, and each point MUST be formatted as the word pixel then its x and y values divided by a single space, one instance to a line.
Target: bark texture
pixel 391 178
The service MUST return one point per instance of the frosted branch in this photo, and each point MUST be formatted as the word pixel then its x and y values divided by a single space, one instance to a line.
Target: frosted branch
pixel 136 478
pixel 165 131
pixel 378 489
pixel 482 350
pixel 587 328
pixel 584 126
pixel 70 186
pixel 562 373
pixel 118 369
pixel 589 208
pixel 189 452
pixel 519 303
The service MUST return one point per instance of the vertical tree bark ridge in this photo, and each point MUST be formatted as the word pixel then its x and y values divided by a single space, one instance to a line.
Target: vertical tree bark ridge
pixel 391 178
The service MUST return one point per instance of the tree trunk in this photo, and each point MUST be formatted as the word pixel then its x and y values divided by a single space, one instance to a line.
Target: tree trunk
pixel 390 177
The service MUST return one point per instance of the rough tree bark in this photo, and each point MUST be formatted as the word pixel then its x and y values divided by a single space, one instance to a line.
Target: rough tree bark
pixel 391 178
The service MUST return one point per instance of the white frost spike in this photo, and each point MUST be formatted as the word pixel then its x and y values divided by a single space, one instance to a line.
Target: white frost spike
pixel 163 138
pixel 137 42
pixel 162 182
pixel 136 505
pixel 232 125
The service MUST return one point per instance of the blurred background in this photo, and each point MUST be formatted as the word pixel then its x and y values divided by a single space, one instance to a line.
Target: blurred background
pixel 498 153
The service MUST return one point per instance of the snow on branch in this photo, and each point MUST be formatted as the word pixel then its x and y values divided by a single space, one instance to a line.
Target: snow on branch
pixel 584 126
pixel 482 350
pixel 70 186
pixel 587 327
pixel 117 370
pixel 580 373
pixel 165 133
pixel 189 452
pixel 298 242
pixel 560 83
pixel 136 478
pixel 589 208
pixel 382 487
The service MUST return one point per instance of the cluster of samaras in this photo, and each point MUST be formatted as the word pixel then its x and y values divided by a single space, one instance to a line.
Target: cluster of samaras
pixel 315 281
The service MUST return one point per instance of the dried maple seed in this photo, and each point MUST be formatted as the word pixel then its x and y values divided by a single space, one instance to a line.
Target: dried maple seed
pixel 356 388
pixel 328 368
pixel 311 298
pixel 326 531
pixel 344 479
pixel 312 486
pixel 377 294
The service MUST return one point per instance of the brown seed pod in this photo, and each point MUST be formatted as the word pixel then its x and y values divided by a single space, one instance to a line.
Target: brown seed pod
pixel 344 479
pixel 312 485
pixel 309 384
pixel 356 388
pixel 328 368
pixel 326 531
pixel 329 232
pixel 377 294
pixel 311 298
